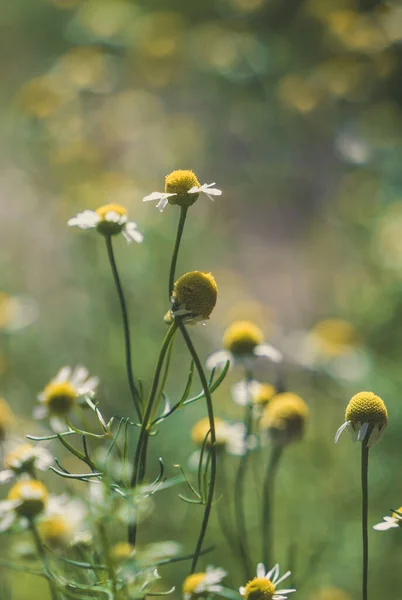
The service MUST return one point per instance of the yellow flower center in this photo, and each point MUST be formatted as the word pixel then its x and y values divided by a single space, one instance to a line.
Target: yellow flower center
pixel 21 458
pixel 6 418
pixel 285 417
pixel 259 588
pixel 31 495
pixel 398 516
pixel 106 227
pixel 55 530
pixel 196 292
pixel 265 393
pixel 180 182
pixel 60 397
pixel 200 430
pixel 241 337
pixel 192 582
pixel 122 551
pixel 335 336
pixel 366 407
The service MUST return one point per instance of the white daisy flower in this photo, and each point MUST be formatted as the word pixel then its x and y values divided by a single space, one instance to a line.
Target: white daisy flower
pixel 61 393
pixel 365 414
pixel 110 219
pixel 63 521
pixel 26 500
pixel 243 344
pixel 198 584
pixel 265 584
pixel 390 522
pixel 21 457
pixel 182 188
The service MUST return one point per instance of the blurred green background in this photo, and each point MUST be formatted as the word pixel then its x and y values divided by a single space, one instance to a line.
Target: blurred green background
pixel 294 110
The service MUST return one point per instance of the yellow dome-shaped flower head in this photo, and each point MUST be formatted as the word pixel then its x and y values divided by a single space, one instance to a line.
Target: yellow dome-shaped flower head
pixel 201 585
pixel 285 418
pixel 194 296
pixel 200 430
pixel 179 183
pixel 264 586
pixel 366 417
pixel 242 337
pixel 30 498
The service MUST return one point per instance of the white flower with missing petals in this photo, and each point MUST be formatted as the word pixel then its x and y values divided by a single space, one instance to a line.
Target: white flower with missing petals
pixel 198 584
pixel 110 219
pixel 265 585
pixel 21 457
pixel 182 188
pixel 390 522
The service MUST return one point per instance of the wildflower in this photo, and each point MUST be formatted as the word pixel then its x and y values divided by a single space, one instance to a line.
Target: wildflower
pixel 243 343
pixel 285 417
pixel 390 522
pixel 25 501
pixel 253 392
pixel 122 551
pixel 61 393
pixel 16 312
pixel 365 414
pixel 110 219
pixel 264 586
pixel 194 296
pixel 24 458
pixel 334 337
pixel 182 188
pixel 198 584
pixel 229 436
pixel 6 418
pixel 62 522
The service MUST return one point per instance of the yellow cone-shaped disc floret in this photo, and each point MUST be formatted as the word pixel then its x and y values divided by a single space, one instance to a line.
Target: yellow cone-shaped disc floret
pixel 192 582
pixel 60 398
pixel 259 588
pixel 111 227
pixel 31 495
pixel 196 292
pixel 6 418
pixel 285 417
pixel 55 531
pixel 241 337
pixel 265 393
pixel 335 336
pixel 180 182
pixel 201 428
pixel 366 407
pixel 21 457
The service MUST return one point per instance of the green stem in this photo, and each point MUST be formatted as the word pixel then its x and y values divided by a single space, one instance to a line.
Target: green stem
pixel 267 504
pixel 183 214
pixel 139 465
pixel 42 555
pixel 364 473
pixel 108 560
pixel 126 328
pixel 211 418
pixel 223 508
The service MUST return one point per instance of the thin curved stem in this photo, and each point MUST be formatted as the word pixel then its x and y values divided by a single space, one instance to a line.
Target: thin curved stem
pixel 139 465
pixel 211 418
pixel 42 555
pixel 126 328
pixel 364 474
pixel 173 263
pixel 267 503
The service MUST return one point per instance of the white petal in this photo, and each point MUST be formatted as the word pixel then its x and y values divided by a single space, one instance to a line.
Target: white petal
pixel 243 392
pixel 163 202
pixel 7 521
pixel 273 573
pixel 289 591
pixel 260 570
pixel 157 196
pixel 341 430
pixel 114 217
pixel 242 590
pixel 389 523
pixel 6 476
pixel 362 432
pixel 285 576
pixel 131 233
pixel 218 359
pixel 57 425
pixel 88 386
pixel 85 220
pixel 62 375
pixel 78 376
pixel 40 412
pixel 268 351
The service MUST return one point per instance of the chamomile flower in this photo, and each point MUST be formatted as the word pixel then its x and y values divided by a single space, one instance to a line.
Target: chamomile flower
pixel 390 522
pixel 243 343
pixel 264 586
pixel 25 501
pixel 230 437
pixel 194 296
pixel 22 458
pixel 284 418
pixel 63 521
pixel 366 414
pixel 110 219
pixel 182 188
pixel 199 585
pixel 61 393
pixel 253 393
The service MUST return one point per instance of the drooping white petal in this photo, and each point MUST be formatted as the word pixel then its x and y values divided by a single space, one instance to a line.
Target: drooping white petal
pixel 388 523
pixel 131 233
pixel 207 189
pixel 163 202
pixel 340 431
pixel 218 359
pixel 157 196
pixel 268 351
pixel 84 220
pixel 114 217
pixel 362 432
